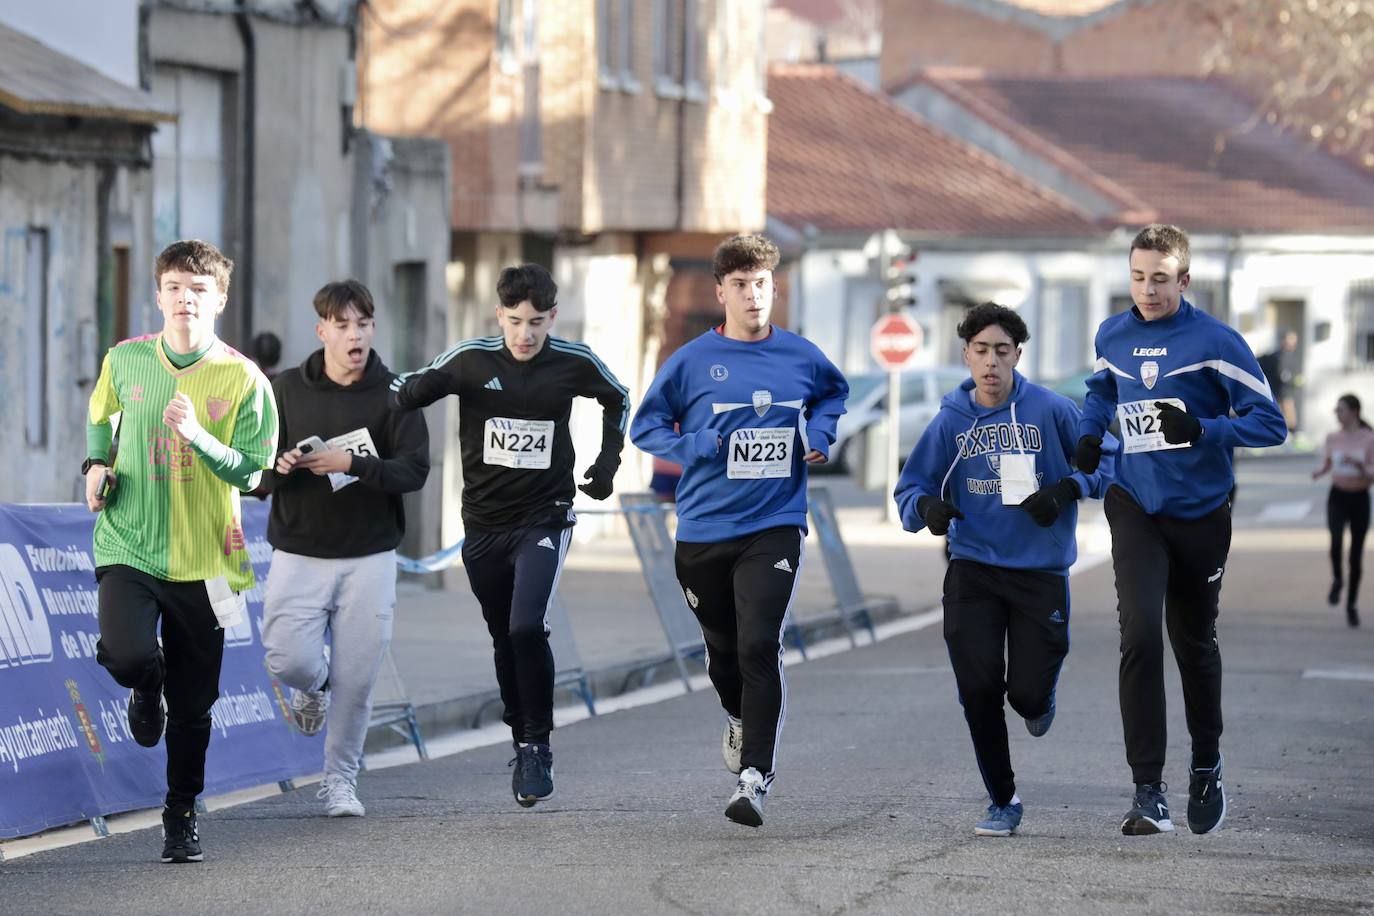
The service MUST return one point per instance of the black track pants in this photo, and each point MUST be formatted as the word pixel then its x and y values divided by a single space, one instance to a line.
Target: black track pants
pixel 185 667
pixel 1007 631
pixel 1346 507
pixel 1171 568
pixel 514 575
pixel 741 591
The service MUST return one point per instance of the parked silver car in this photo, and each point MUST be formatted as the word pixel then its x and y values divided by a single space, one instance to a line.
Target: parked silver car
pixel 921 392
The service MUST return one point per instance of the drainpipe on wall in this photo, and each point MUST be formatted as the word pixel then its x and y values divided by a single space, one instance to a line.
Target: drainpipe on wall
pixel 250 92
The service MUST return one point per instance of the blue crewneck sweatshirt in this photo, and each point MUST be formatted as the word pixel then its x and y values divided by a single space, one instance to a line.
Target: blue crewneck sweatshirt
pixel 957 459
pixel 1207 368
pixel 738 416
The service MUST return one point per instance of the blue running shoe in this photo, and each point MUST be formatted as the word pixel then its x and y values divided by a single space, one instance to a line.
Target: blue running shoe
pixel 1002 820
pixel 532 780
pixel 1041 723
pixel 1149 813
pixel 1206 799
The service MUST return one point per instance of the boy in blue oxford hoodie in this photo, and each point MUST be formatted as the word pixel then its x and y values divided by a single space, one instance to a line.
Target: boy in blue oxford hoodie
pixel 993 471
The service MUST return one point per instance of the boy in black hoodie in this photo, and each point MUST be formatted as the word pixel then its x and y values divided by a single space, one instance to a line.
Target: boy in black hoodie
pixel 336 521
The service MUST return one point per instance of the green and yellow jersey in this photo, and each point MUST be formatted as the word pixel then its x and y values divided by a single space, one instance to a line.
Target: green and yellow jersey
pixel 169 514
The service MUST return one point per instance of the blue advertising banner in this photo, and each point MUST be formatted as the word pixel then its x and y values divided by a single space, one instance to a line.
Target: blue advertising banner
pixel 66 753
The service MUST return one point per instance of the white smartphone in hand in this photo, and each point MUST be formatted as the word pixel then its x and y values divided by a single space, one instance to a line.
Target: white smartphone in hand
pixel 311 445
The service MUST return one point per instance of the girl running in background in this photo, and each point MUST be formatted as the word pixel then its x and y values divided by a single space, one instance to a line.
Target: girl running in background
pixel 1349 456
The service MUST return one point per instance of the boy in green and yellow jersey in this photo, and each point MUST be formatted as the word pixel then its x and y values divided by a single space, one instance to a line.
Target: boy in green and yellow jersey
pixel 197 423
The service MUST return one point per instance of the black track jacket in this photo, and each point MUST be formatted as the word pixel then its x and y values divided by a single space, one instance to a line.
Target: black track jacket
pixel 513 425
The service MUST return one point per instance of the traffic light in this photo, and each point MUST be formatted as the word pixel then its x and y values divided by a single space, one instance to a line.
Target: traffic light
pixel 901 281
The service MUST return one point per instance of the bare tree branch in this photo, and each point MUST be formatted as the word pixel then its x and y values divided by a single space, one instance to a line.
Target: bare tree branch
pixel 1310 62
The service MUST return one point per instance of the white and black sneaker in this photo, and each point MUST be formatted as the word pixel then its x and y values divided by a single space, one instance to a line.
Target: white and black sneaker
pixel 308 709
pixel 1150 813
pixel 732 742
pixel 746 805
pixel 1206 799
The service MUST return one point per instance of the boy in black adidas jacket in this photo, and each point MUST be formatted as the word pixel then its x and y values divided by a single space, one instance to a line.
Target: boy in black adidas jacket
pixel 515 394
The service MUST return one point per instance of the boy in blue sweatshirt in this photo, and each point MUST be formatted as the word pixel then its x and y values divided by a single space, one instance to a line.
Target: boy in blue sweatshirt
pixel 744 408
pixel 1173 376
pixel 992 469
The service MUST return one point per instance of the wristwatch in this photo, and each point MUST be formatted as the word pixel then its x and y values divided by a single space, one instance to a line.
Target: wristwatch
pixel 90 463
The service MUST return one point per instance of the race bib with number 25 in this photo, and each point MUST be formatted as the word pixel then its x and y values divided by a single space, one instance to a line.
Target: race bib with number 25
pixel 1140 427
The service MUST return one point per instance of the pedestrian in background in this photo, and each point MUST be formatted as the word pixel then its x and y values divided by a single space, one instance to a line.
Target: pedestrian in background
pixel 1349 456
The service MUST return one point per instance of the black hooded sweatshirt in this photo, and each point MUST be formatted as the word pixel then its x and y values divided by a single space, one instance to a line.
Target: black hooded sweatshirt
pixel 308 516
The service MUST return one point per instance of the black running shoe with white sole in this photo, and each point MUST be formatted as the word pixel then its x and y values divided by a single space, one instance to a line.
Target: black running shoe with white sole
pixel 746 805
pixel 1150 813
pixel 532 780
pixel 180 838
pixel 1206 799
pixel 147 716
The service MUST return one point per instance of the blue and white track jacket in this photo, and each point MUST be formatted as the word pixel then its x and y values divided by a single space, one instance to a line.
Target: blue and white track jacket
pixel 1204 367
pixel 738 416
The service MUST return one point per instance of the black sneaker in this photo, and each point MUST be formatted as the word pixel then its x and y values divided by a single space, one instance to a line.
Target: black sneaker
pixel 1333 597
pixel 532 780
pixel 147 716
pixel 1352 615
pixel 180 838
pixel 1206 799
pixel 1150 813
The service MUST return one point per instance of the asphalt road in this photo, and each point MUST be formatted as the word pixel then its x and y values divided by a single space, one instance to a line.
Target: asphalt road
pixel 873 808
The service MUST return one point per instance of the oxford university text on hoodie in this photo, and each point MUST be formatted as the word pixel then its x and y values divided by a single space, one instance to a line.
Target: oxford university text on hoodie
pixel 766 403
pixel 958 459
pixel 1204 367
pixel 390 449
pixel 513 435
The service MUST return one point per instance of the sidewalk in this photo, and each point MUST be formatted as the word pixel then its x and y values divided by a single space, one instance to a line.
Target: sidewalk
pixel 443 653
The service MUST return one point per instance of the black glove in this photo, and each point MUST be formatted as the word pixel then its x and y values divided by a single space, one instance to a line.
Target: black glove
pixel 936 513
pixel 1045 504
pixel 600 482
pixel 1177 425
pixel 1088 455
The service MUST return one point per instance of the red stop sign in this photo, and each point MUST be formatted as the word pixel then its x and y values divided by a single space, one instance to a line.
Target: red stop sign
pixel 896 341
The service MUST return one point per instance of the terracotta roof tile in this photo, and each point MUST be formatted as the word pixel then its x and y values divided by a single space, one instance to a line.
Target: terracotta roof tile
pixel 1188 148
pixel 844 158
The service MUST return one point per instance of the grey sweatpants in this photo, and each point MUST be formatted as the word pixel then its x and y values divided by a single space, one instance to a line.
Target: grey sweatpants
pixel 354 599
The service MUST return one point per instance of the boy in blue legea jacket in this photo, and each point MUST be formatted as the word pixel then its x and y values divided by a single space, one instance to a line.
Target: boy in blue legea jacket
pixel 992 469
pixel 745 408
pixel 1187 390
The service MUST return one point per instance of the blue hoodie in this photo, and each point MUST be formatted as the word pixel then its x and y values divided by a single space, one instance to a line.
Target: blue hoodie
pixel 957 460
pixel 738 416
pixel 1206 365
